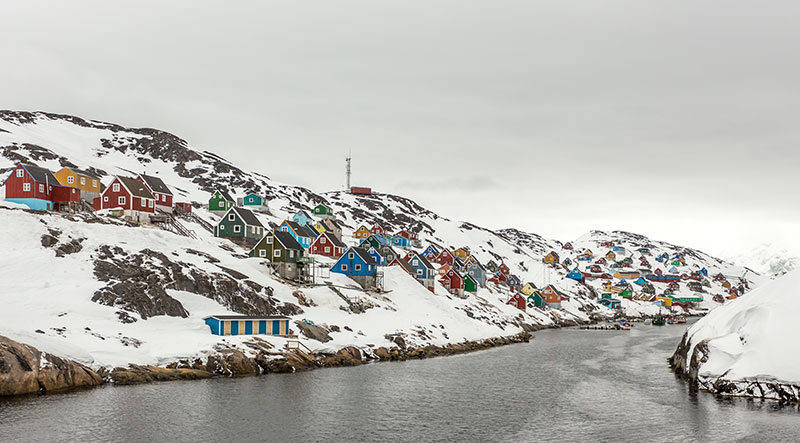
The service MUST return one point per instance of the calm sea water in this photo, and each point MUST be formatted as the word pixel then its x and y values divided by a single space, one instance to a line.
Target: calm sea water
pixel 566 385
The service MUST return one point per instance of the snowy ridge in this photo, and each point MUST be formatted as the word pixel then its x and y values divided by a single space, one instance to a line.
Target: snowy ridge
pixel 207 275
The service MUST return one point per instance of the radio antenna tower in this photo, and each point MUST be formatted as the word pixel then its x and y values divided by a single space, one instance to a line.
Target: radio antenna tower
pixel 348 172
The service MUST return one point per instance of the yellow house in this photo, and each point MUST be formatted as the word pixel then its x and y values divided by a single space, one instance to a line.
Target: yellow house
pixel 362 232
pixel 86 182
pixel 320 228
pixel 611 255
pixel 461 253
pixel 528 289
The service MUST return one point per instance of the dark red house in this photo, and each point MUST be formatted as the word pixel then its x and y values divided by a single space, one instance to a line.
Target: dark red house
pixel 445 258
pixel 38 189
pixel 130 195
pixel 518 301
pixel 328 245
pixel 453 282
pixel 159 189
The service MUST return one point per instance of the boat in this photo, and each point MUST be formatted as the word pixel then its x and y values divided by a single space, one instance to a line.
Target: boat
pixel 680 320
pixel 659 321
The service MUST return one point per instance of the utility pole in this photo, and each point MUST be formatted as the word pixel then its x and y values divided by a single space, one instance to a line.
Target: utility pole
pixel 348 172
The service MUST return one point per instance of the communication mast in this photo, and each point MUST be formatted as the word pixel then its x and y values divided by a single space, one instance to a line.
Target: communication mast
pixel 348 172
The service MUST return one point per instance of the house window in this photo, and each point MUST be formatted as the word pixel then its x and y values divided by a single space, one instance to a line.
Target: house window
pixel 351 255
pixel 344 267
pixel 120 200
pixel 163 197
pixel 322 240
pixel 94 183
pixel 237 228
pixel 357 267
pixel 221 227
pixel 41 188
pixel 250 199
pixel 369 267
pixel 415 262
pixel 105 198
pixel 150 203
pixel 83 180
pixel 20 173
pixel 70 180
pixel 115 187
pixel 269 240
pixel 284 229
pixel 262 253
pixel 252 229
pixel 291 254
pixel 26 186
pixel 276 253
pixel 222 204
pixel 419 271
pixel 327 249
pixel 231 217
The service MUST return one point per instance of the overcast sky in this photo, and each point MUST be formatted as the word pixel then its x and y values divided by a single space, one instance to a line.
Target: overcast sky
pixel 675 119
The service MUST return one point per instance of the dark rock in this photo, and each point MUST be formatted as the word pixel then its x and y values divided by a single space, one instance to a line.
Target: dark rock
pixel 313 331
pixel 48 241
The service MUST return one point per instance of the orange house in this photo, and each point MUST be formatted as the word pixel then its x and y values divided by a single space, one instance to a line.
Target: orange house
pixel 362 232
pixel 87 182
pixel 552 296
pixel 551 258
pixel 461 253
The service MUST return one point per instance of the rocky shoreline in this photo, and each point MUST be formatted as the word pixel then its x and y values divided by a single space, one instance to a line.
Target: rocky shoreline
pixel 687 367
pixel 24 370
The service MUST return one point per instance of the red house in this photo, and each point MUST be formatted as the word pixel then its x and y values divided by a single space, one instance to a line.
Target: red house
pixel 405 234
pixel 404 264
pixel 328 245
pixel 445 258
pixel 159 190
pixel 674 286
pixel 183 206
pixel 567 246
pixel 503 268
pixel 357 190
pixel 38 189
pixel 453 282
pixel 517 300
pixel 377 229
pixel 130 195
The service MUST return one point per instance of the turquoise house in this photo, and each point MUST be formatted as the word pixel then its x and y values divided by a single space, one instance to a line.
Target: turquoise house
pixel 248 325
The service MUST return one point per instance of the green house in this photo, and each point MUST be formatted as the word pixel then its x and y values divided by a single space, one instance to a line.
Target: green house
pixel 239 223
pixel 322 211
pixel 220 201
pixel 536 299
pixel 627 293
pixel 278 247
pixel 470 285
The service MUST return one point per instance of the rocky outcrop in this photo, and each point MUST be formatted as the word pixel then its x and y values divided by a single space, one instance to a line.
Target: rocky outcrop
pixel 26 370
pixel 313 332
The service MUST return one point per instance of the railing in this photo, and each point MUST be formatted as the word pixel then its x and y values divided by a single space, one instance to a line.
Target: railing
pixel 296 345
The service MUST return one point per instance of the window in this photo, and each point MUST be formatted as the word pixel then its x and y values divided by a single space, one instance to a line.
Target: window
pixel 41 188
pixel 253 229
pixel 150 203
pixel 269 240
pixel 351 255
pixel 415 262
pixel 322 240
pixel 94 183
pixel 231 217
pixel 105 198
pixel 369 267
pixel 284 229
pixel 291 254
pixel 221 227
pixel 262 253
pixel 26 187
pixel 344 267
pixel 327 249
pixel 222 204
pixel 163 197
pixel 419 271
pixel 357 267
pixel 120 200
pixel 20 172
pixel 115 187
pixel 70 180
pixel 237 228
pixel 250 199
pixel 83 180
pixel 276 253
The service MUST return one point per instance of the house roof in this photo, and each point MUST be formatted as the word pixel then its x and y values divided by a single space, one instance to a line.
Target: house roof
pixel 156 184
pixel 225 195
pixel 303 212
pixel 423 260
pixel 41 175
pixel 404 264
pixel 287 240
pixel 363 254
pixel 331 223
pixel 308 231
pixel 248 217
pixel 247 317
pixel 136 188
pixel 332 238
pixel 82 172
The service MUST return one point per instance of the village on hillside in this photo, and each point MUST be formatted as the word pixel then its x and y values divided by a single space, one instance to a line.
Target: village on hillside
pixel 305 248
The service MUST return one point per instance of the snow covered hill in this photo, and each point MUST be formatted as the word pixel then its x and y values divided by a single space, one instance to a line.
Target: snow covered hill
pixel 106 293
pixel 769 259
pixel 748 347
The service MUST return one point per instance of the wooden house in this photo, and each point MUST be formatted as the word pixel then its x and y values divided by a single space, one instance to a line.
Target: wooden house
pixel 357 264
pixel 528 288
pixel 248 325
pixel 327 245
pixel 726 284
pixel 38 189
pixel 443 270
pixel 160 191
pixel 462 253
pixel 300 233
pixel 453 283
pixel 518 301
pixel 322 211
pixel 254 202
pixel 491 266
pixel 459 264
pixel 477 272
pixel 131 196
pixel 674 286
pixel 240 224
pixel 183 207
pixel 302 218
pixel 470 285
pixel 220 201
pixel 583 257
pixel 535 299
pixel 361 233
pixel 378 229
pixel 552 296
pixel 611 255
pixel 330 225
pixel 286 256
pixel 431 252
pixel 513 282
pixel 379 259
pixel 503 269
pixel 404 264
pixel 576 275
pixel 401 239
pixel 387 252
pixel 375 241
pixel 601 261
pixel 423 269
pixel 551 259
pixel 445 258
pixel 87 183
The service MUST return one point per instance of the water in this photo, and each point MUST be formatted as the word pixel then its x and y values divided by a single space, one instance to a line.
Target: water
pixel 566 385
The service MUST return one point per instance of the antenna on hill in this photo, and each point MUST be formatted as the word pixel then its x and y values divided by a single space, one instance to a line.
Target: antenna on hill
pixel 347 160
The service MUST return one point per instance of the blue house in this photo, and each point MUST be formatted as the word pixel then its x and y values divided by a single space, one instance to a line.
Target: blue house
pixel 704 272
pixel 673 270
pixel 619 249
pixel 379 259
pixel 254 201
pixel 248 325
pixel 399 241
pixel 641 281
pixel 299 232
pixel 611 303
pixel 477 272
pixel 357 264
pixel 431 252
pixel 575 275
pixel 423 269
pixel 302 218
